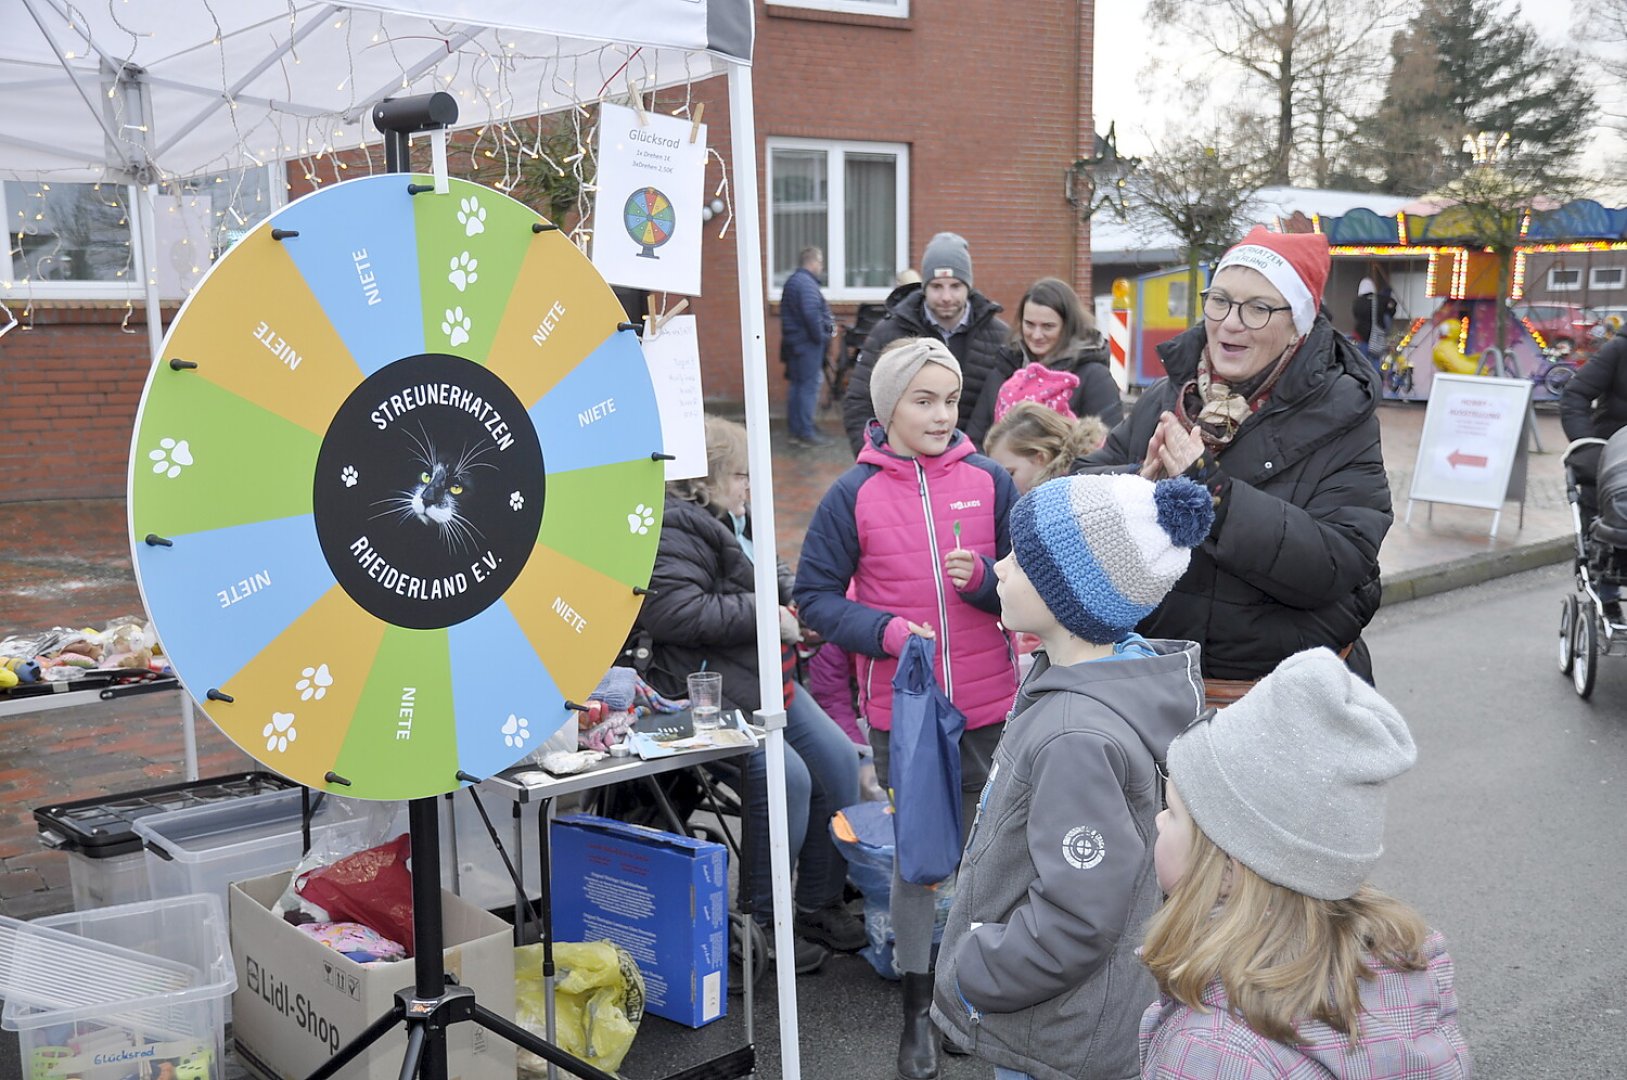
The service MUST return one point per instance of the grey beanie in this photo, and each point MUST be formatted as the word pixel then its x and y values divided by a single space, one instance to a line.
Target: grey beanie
pixel 897 365
pixel 947 256
pixel 1289 780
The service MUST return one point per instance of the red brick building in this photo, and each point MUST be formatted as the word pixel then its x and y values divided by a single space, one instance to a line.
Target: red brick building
pixel 879 123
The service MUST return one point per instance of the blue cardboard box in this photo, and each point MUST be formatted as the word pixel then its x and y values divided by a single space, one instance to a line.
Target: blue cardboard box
pixel 662 897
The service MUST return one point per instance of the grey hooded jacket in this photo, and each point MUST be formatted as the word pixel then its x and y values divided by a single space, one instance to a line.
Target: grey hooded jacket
pixel 1037 971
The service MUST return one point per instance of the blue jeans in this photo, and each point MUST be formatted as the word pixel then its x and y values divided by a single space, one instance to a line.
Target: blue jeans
pixel 1003 1073
pixel 801 401
pixel 821 777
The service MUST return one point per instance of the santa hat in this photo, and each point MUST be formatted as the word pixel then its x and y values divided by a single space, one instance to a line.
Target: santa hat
pixel 1295 263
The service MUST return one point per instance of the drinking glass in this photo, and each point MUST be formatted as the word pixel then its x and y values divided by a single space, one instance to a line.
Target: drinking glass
pixel 706 699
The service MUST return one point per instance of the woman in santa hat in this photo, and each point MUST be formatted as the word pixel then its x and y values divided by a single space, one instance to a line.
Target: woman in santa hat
pixel 1274 411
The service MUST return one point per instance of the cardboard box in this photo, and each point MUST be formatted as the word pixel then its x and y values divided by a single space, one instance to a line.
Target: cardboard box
pixel 662 897
pixel 298 1001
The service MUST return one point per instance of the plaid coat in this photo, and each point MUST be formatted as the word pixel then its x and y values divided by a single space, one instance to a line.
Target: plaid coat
pixel 1408 1031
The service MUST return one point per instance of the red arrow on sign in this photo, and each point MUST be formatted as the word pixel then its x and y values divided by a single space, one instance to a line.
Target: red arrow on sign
pixel 1458 457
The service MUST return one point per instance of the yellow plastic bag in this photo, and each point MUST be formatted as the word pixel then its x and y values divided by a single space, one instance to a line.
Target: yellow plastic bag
pixel 598 1002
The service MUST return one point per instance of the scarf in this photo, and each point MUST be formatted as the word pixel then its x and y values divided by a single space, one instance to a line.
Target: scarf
pixel 1217 409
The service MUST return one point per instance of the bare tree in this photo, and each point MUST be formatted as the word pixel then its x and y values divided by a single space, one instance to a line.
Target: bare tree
pixel 1310 53
pixel 1199 192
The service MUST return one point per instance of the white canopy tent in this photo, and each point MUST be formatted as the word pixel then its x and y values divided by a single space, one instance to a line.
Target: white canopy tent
pixel 138 92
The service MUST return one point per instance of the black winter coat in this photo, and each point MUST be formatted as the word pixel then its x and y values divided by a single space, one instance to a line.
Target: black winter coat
pixel 1594 403
pixel 703 607
pixel 1292 561
pixel 975 347
pixel 1097 393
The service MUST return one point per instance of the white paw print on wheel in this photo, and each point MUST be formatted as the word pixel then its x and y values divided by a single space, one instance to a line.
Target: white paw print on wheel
pixel 171 457
pixel 640 520
pixel 314 683
pixel 516 501
pixel 456 326
pixel 472 216
pixel 280 732
pixel 515 731
pixel 463 272
pixel 349 475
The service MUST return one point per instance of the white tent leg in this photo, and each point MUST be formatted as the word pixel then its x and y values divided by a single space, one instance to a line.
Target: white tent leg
pixel 144 243
pixel 754 357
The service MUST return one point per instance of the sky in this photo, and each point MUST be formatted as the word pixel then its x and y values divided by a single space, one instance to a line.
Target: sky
pixel 1140 112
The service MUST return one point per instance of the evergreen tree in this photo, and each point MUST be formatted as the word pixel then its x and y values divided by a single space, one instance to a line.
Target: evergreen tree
pixel 1463 67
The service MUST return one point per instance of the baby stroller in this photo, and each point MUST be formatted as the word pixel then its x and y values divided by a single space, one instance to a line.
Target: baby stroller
pixel 1590 620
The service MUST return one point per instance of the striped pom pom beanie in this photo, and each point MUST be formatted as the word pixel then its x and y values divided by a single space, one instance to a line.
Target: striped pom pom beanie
pixel 1102 551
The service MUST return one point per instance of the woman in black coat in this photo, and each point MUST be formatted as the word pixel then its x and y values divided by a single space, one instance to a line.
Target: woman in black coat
pixel 1275 412
pixel 1053 329
pixel 701 615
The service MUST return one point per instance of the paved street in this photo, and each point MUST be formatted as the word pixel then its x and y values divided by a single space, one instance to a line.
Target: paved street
pixel 1507 835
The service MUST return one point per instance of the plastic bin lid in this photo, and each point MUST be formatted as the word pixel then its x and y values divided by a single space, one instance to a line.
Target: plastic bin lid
pixel 225 829
pixel 100 828
pixel 50 976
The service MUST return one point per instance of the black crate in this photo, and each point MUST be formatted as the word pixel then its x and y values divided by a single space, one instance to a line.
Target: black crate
pixel 99 828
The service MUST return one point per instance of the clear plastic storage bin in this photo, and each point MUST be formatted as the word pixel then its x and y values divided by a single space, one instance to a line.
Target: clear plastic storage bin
pixel 206 848
pixel 116 993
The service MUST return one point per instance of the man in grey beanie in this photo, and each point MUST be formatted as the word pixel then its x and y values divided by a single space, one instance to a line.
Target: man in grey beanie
pixel 945 306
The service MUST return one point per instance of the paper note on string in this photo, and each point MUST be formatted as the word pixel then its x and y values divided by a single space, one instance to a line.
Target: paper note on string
pixel 674 360
pixel 647 216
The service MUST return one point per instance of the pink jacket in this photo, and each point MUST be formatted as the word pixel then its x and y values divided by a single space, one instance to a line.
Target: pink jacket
pixel 885 526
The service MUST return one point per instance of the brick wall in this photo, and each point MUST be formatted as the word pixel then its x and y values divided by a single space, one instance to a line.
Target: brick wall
pixel 70 380
pixel 993 102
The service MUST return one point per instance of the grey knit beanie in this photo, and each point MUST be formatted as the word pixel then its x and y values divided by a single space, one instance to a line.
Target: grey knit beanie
pixel 1289 780
pixel 947 256
pixel 897 365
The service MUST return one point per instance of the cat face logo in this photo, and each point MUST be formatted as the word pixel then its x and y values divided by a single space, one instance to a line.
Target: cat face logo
pixel 443 483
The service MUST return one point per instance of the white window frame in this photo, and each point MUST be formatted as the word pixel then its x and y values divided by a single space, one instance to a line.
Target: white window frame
pixel 1594 281
pixel 887 9
pixel 1555 285
pixel 835 151
pixel 132 287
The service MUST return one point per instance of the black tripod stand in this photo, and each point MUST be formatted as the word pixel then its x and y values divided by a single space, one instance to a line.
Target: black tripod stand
pixel 432 1004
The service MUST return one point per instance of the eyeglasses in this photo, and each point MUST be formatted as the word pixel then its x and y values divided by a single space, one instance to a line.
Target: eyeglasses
pixel 1217 307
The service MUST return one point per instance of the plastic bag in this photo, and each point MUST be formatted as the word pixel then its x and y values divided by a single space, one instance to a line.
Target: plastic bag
pixel 925 765
pixel 598 1002
pixel 864 836
pixel 371 887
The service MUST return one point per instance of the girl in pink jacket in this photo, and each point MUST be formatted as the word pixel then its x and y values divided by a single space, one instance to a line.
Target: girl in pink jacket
pixel 916 527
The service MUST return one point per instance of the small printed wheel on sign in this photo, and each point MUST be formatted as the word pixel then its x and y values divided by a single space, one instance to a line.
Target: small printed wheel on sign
pixel 1585 646
pixel 1567 634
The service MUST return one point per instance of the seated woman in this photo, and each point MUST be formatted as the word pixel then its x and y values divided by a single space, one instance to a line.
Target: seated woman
pixel 701 615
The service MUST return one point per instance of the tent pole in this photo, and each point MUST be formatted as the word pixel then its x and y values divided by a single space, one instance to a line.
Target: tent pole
pixel 145 256
pixel 754 359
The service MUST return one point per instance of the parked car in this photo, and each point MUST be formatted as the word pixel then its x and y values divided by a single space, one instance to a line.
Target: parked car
pixel 1563 327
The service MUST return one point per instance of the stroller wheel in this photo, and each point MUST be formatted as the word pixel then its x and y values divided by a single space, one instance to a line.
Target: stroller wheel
pixel 1586 647
pixel 1567 635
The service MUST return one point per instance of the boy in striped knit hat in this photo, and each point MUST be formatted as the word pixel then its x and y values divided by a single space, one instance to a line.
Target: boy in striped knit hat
pixel 1037 973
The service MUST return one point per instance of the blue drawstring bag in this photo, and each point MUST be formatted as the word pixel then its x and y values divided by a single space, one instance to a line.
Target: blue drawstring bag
pixel 924 763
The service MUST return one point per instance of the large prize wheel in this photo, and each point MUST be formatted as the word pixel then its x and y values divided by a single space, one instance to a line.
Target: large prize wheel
pixel 393 519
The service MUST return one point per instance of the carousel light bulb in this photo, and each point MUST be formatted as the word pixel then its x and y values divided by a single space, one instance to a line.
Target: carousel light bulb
pixel 716 206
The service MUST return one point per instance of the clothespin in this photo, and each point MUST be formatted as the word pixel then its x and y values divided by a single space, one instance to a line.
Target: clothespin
pixel 638 103
pixel 658 322
pixel 695 121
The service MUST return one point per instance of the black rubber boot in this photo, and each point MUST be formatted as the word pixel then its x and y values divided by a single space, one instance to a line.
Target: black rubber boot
pixel 919 1045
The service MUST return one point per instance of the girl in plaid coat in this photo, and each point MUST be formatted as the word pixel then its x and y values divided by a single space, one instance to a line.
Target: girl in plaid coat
pixel 1273 956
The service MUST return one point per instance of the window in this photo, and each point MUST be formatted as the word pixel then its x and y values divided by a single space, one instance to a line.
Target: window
pixel 898 9
pixel 1606 277
pixel 850 200
pixel 73 241
pixel 1562 280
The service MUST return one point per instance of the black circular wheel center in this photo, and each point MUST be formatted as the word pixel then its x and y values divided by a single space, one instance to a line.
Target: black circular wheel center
pixel 428 491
